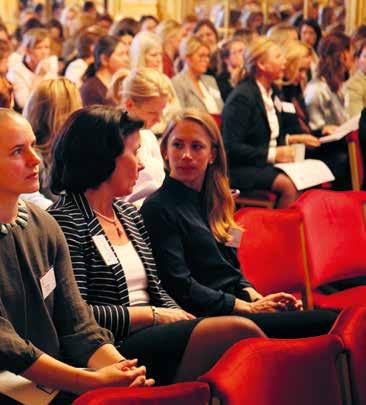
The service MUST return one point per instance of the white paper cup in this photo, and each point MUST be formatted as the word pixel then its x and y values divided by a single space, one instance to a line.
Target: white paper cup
pixel 299 151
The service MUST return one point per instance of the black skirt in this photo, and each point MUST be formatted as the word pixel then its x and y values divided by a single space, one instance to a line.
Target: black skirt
pixel 159 348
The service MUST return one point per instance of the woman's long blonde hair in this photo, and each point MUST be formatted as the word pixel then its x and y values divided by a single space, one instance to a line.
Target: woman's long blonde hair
pixel 218 198
pixel 294 51
pixel 256 52
pixel 48 107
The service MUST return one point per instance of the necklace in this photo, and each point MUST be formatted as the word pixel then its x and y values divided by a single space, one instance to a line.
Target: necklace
pixel 21 220
pixel 111 221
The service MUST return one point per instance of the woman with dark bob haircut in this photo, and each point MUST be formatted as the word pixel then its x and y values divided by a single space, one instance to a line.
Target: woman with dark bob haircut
pixel 96 163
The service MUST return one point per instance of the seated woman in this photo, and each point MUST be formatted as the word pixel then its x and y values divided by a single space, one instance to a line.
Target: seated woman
pixel 44 324
pixel 190 222
pixel 48 107
pixel 36 66
pixel 231 66
pixel 110 55
pixel 253 128
pixel 193 87
pixel 325 99
pixel 96 163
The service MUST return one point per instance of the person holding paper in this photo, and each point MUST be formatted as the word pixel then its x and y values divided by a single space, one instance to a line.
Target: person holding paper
pixel 46 330
pixel 194 235
pixel 253 126
pixel 325 102
pixel 96 162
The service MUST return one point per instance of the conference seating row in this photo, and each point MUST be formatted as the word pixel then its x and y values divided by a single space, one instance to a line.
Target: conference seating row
pixel 323 370
pixel 321 239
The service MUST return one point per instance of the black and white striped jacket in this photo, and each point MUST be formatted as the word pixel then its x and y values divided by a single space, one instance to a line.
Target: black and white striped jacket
pixel 105 287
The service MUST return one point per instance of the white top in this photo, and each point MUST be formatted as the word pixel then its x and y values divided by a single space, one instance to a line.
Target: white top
pixel 134 272
pixel 272 120
pixel 209 99
pixel 152 176
pixel 38 199
pixel 75 71
pixel 24 80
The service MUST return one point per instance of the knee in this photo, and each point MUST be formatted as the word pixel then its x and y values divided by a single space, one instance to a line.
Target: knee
pixel 285 186
pixel 242 328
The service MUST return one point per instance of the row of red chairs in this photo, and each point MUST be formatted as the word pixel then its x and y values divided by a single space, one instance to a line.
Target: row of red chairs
pixel 320 240
pixel 323 370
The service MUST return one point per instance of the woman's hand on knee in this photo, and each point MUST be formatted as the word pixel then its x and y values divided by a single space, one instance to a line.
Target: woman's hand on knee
pixel 170 315
pixel 275 302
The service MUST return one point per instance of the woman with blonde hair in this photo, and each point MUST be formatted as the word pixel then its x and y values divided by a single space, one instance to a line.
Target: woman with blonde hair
pixel 38 65
pixel 170 32
pixel 48 107
pixel 192 229
pixel 253 125
pixel 193 86
pixel 144 95
pixel 147 52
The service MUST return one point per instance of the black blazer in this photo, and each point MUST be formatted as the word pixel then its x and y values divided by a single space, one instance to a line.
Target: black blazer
pixel 246 131
pixel 104 287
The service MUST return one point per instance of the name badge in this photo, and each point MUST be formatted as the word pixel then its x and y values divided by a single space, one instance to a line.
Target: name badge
pixel 48 283
pixel 214 92
pixel 236 235
pixel 278 104
pixel 105 250
pixel 288 108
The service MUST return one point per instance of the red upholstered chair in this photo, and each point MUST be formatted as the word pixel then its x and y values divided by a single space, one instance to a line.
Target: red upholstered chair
pixel 194 393
pixel 272 253
pixel 278 371
pixel 335 233
pixel 351 327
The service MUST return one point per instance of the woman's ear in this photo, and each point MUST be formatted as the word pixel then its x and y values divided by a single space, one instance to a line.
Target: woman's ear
pixel 213 155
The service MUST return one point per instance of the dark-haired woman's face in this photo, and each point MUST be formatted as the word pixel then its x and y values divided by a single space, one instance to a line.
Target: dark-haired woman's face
pixel 207 36
pixel 120 58
pixel 128 165
pixel 308 35
pixel 189 152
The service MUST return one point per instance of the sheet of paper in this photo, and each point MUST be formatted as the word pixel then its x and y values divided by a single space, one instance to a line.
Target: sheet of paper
pixel 308 173
pixel 343 130
pixel 25 391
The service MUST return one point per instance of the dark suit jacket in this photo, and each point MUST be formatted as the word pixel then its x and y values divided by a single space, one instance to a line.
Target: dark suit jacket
pixel 104 287
pixel 246 134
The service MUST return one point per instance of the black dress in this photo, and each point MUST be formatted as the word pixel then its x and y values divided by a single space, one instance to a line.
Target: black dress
pixel 203 275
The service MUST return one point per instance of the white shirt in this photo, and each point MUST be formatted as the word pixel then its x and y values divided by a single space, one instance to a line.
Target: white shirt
pixel 134 273
pixel 272 120
pixel 152 176
pixel 209 99
pixel 75 71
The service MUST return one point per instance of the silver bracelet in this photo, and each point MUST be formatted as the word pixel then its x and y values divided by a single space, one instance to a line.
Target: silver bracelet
pixel 155 315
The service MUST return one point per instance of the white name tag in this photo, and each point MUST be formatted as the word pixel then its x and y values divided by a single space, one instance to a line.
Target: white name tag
pixel 105 250
pixel 48 283
pixel 214 92
pixel 236 237
pixel 278 104
pixel 288 108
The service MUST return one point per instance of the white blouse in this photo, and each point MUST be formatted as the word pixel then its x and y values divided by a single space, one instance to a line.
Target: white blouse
pixel 134 272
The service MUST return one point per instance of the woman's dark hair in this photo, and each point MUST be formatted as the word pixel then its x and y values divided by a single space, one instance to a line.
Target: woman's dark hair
pixel 104 46
pixel 86 149
pixel 53 23
pixel 315 26
pixel 84 44
pixel 127 23
pixel 331 65
pixel 30 24
pixel 208 23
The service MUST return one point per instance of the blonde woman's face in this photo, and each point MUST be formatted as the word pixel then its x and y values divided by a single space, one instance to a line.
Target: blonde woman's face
pixel 154 58
pixel 362 61
pixel 148 111
pixel 189 153
pixel 41 51
pixel 198 62
pixel 272 65
pixel 236 58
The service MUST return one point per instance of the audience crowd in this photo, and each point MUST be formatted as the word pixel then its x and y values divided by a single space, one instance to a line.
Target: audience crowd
pixel 132 135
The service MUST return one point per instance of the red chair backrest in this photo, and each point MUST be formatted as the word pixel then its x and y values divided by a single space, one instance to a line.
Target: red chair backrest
pixel 278 371
pixel 270 252
pixel 193 393
pixel 335 233
pixel 351 327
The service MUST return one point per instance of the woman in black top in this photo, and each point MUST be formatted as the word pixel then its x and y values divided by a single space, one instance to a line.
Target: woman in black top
pixel 191 225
